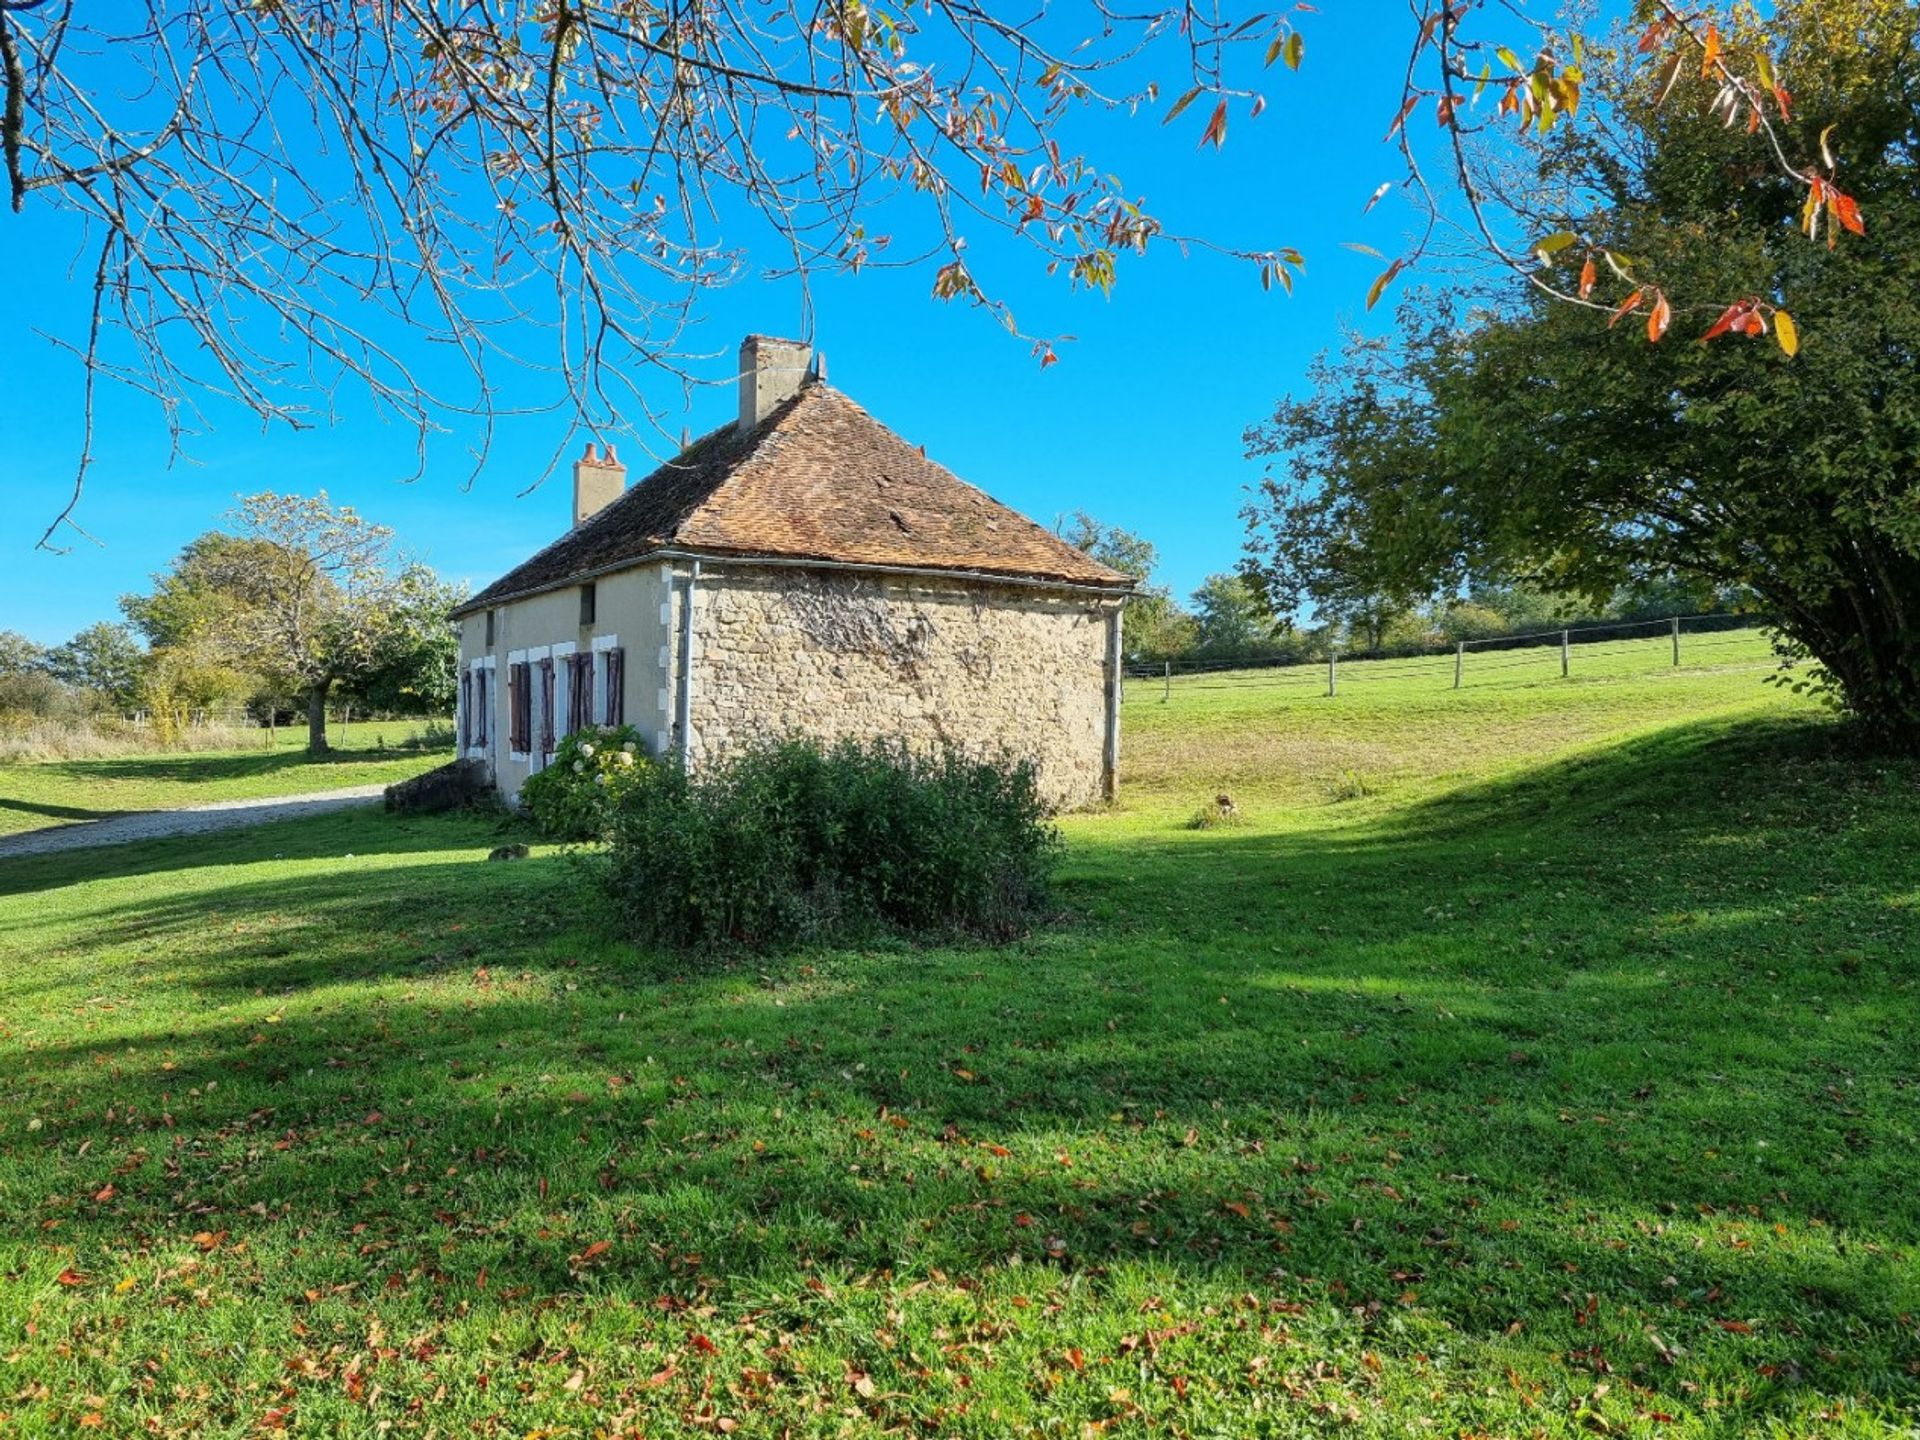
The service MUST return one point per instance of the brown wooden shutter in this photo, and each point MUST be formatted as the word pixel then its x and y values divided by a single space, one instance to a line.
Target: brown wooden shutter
pixel 520 707
pixel 547 699
pixel 616 687
pixel 466 708
pixel 482 703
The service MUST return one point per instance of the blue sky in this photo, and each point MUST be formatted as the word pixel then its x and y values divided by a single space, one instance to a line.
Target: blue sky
pixel 1140 423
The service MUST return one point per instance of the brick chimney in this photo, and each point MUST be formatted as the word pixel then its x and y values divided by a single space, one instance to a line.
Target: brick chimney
pixel 598 481
pixel 771 371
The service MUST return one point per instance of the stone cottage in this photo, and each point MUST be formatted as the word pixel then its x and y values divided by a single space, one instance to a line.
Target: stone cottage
pixel 800 571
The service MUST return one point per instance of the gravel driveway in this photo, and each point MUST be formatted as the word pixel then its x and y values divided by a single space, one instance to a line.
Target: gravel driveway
pixel 188 820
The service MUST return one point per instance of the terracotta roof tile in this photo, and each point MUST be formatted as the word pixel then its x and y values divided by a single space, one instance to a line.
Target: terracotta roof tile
pixel 819 479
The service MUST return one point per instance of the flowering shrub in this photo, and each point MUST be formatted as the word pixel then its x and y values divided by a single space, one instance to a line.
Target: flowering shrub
pixel 591 771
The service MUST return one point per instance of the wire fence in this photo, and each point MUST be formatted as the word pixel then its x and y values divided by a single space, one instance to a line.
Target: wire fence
pixel 241 717
pixel 1615 648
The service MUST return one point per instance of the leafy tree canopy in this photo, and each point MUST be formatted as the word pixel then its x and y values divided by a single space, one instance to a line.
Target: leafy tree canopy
pixel 18 654
pixel 304 596
pixel 1229 619
pixel 103 658
pixel 1488 438
pixel 1156 626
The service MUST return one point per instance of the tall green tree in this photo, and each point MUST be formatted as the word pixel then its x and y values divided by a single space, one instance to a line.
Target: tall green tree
pixel 1156 627
pixel 1539 442
pixel 302 594
pixel 1229 618
pixel 415 665
pixel 106 659
pixel 19 655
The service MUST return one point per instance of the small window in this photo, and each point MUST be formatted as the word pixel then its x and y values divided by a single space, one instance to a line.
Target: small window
pixel 489 629
pixel 587 603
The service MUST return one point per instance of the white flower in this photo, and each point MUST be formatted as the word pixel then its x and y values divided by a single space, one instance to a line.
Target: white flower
pixel 586 749
pixel 579 767
pixel 628 748
pixel 599 779
pixel 626 757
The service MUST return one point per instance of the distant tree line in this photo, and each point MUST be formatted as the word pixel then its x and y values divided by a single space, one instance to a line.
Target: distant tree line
pixel 1240 614
pixel 297 604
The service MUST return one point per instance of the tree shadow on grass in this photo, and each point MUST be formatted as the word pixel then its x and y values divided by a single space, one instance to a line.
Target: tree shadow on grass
pixel 55 812
pixel 362 831
pixel 190 768
pixel 1506 1053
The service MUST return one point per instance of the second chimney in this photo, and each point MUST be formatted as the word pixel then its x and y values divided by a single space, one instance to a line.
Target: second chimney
pixel 771 373
pixel 598 481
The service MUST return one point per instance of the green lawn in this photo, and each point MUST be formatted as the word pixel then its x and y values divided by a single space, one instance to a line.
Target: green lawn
pixel 35 794
pixel 1564 1083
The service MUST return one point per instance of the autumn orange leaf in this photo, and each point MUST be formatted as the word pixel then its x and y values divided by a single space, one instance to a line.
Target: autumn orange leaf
pixel 1216 131
pixel 1709 51
pixel 1846 210
pixel 1589 275
pixel 1734 317
pixel 1659 320
pixel 1401 118
pixel 70 1277
pixel 1627 307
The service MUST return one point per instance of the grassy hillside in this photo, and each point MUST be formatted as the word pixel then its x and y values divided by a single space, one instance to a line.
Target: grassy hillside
pixel 1563 1084
pixel 35 794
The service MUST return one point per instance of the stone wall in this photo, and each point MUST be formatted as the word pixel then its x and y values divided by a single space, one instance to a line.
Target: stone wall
pixel 992 670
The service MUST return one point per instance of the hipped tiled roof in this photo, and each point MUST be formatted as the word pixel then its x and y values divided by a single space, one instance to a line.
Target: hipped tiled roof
pixel 818 479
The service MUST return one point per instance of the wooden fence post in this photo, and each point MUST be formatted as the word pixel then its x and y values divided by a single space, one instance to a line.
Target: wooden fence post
pixel 1563 654
pixel 1676 640
pixel 1167 694
pixel 1333 673
pixel 1459 662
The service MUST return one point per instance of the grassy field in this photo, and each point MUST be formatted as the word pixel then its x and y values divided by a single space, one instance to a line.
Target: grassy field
pixel 1561 1082
pixel 36 794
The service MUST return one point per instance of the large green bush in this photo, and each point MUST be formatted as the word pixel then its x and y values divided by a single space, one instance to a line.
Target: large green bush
pixel 794 843
pixel 590 773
